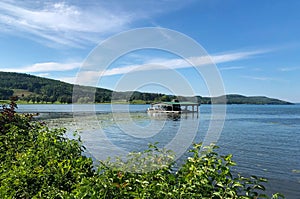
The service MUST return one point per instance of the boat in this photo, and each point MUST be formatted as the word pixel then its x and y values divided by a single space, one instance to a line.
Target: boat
pixel 174 107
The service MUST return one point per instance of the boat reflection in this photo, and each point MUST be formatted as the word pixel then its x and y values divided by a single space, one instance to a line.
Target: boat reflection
pixel 171 116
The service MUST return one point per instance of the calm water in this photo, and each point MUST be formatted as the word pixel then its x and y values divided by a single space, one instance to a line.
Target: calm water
pixel 264 139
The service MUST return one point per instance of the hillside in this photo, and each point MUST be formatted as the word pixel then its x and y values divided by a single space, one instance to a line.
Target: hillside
pixel 240 99
pixel 37 89
pixel 33 89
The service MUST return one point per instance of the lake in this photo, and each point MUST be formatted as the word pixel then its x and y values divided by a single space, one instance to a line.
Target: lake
pixel 264 139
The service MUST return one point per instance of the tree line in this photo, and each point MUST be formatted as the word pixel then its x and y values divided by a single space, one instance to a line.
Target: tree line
pixel 37 90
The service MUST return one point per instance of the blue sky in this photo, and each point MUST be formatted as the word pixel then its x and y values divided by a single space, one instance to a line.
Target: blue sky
pixel 254 44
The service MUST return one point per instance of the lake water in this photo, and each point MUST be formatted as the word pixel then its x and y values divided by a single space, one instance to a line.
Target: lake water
pixel 264 139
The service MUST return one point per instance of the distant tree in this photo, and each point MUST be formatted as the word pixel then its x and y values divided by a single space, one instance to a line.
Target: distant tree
pixel 165 98
pixel 52 99
pixel 38 99
pixel 5 94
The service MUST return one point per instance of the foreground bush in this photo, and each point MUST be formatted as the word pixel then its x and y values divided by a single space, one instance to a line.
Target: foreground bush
pixel 37 162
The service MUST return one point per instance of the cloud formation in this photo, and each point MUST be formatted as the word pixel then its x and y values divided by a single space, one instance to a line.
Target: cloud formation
pixel 60 22
pixel 149 64
pixel 77 23
pixel 44 67
pixel 90 76
pixel 232 68
pixel 261 78
pixel 288 69
pixel 162 64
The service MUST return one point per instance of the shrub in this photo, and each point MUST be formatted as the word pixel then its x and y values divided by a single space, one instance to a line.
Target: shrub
pixel 38 162
pixel 203 175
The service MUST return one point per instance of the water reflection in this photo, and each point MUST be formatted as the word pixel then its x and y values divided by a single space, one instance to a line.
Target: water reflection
pixel 172 116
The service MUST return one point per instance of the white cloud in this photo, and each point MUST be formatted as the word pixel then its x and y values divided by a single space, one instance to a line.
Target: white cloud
pixel 232 68
pixel 227 57
pixel 288 69
pixel 86 77
pixel 60 22
pixel 43 74
pixel 261 78
pixel 162 64
pixel 77 23
pixel 44 67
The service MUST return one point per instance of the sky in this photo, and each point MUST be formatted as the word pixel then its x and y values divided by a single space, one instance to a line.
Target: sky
pixel 255 45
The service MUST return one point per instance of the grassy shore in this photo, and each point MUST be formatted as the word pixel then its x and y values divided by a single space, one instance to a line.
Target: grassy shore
pixel 137 102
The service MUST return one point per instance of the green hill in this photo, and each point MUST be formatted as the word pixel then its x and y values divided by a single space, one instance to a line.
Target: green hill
pixel 33 89
pixel 240 99
pixel 37 89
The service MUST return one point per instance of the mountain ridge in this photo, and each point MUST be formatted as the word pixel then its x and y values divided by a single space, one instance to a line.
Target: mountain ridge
pixel 34 89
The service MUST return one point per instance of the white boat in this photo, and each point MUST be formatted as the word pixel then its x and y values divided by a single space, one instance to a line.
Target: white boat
pixel 174 107
pixel 163 108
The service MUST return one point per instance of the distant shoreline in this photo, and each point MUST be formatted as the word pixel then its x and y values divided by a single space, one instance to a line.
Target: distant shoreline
pixel 2 102
pixel 31 89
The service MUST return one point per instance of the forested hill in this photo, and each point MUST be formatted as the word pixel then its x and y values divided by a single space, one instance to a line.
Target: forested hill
pixel 240 99
pixel 35 89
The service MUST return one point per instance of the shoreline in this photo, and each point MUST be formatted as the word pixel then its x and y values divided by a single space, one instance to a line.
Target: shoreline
pixel 2 102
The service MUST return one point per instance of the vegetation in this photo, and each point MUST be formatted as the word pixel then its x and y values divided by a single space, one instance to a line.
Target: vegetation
pixel 5 94
pixel 240 99
pixel 32 89
pixel 38 162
